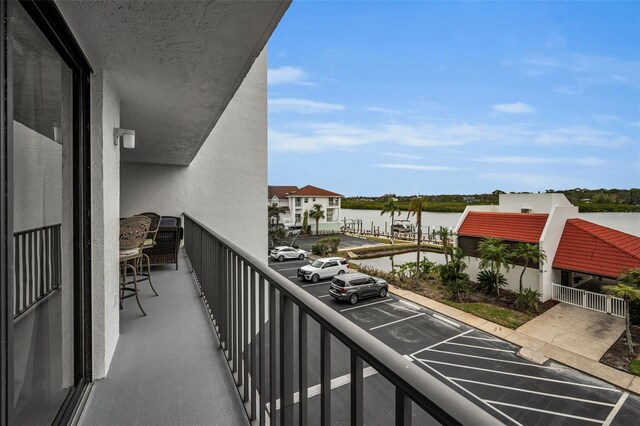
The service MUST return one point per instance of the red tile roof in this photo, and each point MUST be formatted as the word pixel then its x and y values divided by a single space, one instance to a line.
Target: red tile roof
pixel 522 227
pixel 281 191
pixel 596 250
pixel 311 191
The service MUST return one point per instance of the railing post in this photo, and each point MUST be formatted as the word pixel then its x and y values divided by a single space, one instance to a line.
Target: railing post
pixel 245 329
pixel 325 376
pixel 286 360
pixel 403 408
pixel 263 354
pixel 608 304
pixel 254 345
pixel 273 396
pixel 302 368
pixel 356 390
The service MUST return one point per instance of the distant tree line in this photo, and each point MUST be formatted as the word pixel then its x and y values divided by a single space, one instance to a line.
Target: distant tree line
pixel 587 200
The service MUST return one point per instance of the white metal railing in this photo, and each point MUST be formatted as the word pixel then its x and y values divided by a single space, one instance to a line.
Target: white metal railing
pixel 588 299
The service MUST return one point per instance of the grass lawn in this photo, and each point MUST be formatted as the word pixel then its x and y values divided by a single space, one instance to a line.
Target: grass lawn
pixel 505 317
pixel 385 240
pixel 634 367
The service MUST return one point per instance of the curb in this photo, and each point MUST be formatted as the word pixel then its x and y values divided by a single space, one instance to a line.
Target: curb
pixel 534 349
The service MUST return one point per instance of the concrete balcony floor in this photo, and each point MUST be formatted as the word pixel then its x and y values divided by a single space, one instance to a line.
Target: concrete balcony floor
pixel 167 368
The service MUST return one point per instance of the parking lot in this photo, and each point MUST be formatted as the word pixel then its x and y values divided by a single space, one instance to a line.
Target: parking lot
pixel 346 241
pixel 483 368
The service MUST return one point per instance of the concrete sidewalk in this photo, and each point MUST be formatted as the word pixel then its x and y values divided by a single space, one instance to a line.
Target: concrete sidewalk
pixel 571 327
pixel 533 347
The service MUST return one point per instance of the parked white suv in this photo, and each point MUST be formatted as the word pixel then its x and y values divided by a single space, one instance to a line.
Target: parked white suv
pixel 327 267
pixel 284 252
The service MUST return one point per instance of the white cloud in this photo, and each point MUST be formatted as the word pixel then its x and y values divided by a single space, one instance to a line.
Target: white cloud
pixel 514 108
pixel 532 181
pixel 302 106
pixel 586 69
pixel 584 136
pixel 288 75
pixel 318 136
pixel 384 110
pixel 422 167
pixel 568 90
pixel 586 161
pixel 605 117
pixel 402 155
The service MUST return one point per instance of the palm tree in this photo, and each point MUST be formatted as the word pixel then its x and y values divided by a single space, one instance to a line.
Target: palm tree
pixel 305 222
pixel 627 289
pixel 529 253
pixel 274 212
pixel 390 206
pixel 445 236
pixel 317 213
pixel 495 255
pixel 415 208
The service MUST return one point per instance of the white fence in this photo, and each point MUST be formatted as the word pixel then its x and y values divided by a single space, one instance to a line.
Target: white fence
pixel 588 299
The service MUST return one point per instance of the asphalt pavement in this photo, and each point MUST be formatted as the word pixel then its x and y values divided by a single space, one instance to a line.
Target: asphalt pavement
pixel 481 367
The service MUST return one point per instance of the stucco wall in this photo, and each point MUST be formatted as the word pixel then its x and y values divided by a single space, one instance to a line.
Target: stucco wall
pixel 531 277
pixel 226 184
pixel 549 241
pixel 538 203
pixel 36 165
pixel 105 200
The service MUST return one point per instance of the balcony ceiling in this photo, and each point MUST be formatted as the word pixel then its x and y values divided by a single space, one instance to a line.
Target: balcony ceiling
pixel 175 65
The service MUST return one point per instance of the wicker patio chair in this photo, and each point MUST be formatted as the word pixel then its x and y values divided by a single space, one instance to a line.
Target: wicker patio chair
pixel 167 246
pixel 133 232
pixel 149 243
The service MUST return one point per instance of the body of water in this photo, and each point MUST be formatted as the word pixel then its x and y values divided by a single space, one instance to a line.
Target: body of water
pixel 384 263
pixel 625 222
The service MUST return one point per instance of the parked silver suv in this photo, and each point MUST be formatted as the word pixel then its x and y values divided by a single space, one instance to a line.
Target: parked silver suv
pixel 327 267
pixel 355 286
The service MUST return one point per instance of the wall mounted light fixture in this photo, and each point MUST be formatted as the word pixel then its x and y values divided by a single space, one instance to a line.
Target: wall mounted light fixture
pixel 128 137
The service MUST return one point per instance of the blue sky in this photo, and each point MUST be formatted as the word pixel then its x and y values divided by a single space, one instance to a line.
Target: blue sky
pixel 368 98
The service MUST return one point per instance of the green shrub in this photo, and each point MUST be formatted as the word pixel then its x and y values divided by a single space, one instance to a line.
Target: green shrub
pixel 320 249
pixel 457 289
pixel 486 280
pixel 528 300
pixel 325 246
pixel 634 367
pixel 332 243
pixel 450 272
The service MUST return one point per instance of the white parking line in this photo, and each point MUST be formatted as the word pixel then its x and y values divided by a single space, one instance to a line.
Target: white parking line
pixel 396 321
pixel 318 283
pixel 368 304
pixel 286 269
pixel 479 347
pixel 539 410
pixel 488 339
pixel 447 320
pixel 409 304
pixel 552 395
pixel 495 359
pixel 517 375
pixel 293 276
pixel 324 295
pixel 616 408
pixel 466 390
pixel 444 341
pixel 335 383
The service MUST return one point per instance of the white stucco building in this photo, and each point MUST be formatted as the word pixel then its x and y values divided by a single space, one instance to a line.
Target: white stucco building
pixel 579 253
pixel 295 201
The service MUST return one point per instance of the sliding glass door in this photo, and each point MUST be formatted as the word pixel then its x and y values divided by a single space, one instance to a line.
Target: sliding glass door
pixel 46 302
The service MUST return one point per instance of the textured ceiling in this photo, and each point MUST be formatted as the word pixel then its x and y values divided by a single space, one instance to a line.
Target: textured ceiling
pixel 175 65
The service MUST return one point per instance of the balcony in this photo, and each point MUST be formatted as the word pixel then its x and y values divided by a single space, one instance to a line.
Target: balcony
pixel 259 335
pixel 166 369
